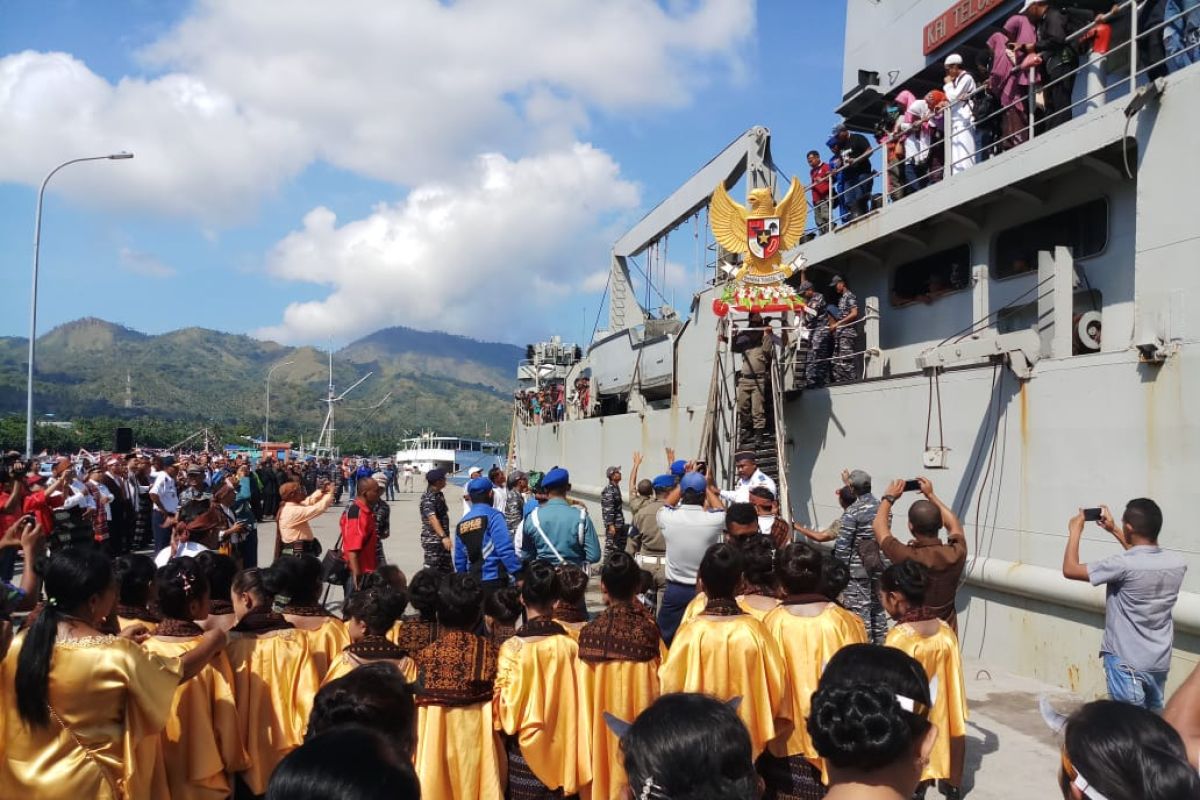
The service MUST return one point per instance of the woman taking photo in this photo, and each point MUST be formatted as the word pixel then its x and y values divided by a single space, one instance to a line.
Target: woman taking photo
pixel 82 711
pixel 295 512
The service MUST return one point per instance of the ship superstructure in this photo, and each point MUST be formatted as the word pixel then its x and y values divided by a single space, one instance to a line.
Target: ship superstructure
pixel 1028 338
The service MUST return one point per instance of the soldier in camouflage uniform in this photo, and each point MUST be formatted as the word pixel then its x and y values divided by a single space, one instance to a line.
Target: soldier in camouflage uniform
pixel 862 593
pixel 844 331
pixel 612 510
pixel 816 321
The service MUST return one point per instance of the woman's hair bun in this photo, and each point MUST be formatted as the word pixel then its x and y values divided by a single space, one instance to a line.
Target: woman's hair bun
pixel 859 726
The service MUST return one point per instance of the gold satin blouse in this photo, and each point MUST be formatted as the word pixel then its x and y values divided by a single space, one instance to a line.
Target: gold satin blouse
pixel 538 702
pixel 729 657
pixel 623 689
pixel 201 744
pixel 938 654
pixel 274 682
pixel 346 663
pixel 113 698
pixel 326 642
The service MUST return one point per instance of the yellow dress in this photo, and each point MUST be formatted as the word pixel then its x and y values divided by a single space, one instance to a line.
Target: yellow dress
pixel 538 703
pixel 125 622
pixel 459 754
pixel 807 644
pixel 938 654
pixel 202 743
pixel 274 681
pixel 346 663
pixel 326 642
pixel 617 685
pixel 696 608
pixel 728 657
pixel 113 697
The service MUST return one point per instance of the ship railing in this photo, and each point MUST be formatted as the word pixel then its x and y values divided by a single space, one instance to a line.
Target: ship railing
pixel 1098 93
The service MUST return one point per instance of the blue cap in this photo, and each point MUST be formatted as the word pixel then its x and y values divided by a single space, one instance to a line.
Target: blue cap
pixel 557 478
pixel 664 482
pixel 678 467
pixel 693 481
pixel 479 486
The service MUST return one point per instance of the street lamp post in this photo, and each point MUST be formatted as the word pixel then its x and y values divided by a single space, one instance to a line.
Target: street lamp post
pixel 267 419
pixel 37 243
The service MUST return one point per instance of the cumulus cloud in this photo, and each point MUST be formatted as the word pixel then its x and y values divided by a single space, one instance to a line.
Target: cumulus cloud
pixel 478 257
pixel 147 265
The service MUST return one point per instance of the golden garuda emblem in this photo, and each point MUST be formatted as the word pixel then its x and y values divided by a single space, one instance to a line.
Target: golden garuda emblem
pixel 760 234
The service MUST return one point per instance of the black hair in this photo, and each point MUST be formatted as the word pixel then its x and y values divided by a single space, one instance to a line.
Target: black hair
pixel 758 556
pixel 835 577
pixel 799 568
pixel 72 576
pixel 374 695
pixel 909 579
pixel 495 474
pixel 541 587
pixel 691 497
pixel 503 605
pixel 741 514
pixel 856 721
pixel 219 570
pixel 846 496
pixel 377 608
pixel 925 518
pixel 261 582
pixel 812 153
pixel 423 593
pixel 135 576
pixel 621 576
pixel 645 487
pixel 179 583
pixel 388 575
pixel 763 492
pixel 1128 753
pixel 1145 517
pixel 689 747
pixel 459 601
pixel 300 577
pixel 721 571
pixel 344 763
pixel 572 584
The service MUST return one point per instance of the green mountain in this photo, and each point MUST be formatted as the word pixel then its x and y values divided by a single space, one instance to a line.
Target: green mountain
pixel 196 376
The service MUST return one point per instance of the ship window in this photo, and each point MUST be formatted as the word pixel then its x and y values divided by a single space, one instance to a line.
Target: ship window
pixel 931 277
pixel 1083 228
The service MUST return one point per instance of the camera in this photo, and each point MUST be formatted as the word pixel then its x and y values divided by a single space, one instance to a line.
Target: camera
pixel 1092 514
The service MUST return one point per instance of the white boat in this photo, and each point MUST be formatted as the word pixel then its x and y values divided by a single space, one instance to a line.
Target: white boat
pixel 457 455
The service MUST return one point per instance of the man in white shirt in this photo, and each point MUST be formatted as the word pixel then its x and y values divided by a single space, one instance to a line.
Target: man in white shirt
pixel 689 529
pixel 749 476
pixel 499 489
pixel 165 497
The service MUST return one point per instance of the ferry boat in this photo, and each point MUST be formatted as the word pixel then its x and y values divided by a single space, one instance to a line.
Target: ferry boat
pixel 1028 338
pixel 457 455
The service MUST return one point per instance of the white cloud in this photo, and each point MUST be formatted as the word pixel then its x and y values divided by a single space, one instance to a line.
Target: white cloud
pixel 483 256
pixel 147 265
pixel 596 281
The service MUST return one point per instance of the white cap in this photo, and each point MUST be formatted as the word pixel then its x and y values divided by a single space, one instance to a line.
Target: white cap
pixel 475 471
pixel 954 59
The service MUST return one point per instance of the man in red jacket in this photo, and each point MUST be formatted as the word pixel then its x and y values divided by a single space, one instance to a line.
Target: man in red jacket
pixel 360 535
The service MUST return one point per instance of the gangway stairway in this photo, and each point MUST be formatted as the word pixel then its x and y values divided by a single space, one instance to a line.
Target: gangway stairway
pixel 718 440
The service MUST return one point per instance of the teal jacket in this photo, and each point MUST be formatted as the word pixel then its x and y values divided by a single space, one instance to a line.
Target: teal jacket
pixel 559 532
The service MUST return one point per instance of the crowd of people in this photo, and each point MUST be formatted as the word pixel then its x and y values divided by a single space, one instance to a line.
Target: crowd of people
pixel 1026 73
pixel 552 402
pixel 733 658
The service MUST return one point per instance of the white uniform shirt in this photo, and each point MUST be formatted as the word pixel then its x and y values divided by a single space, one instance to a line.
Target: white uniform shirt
pixel 164 487
pixel 741 492
pixel 689 531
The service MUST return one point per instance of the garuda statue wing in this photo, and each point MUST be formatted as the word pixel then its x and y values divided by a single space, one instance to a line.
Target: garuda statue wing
pixel 793 213
pixel 728 221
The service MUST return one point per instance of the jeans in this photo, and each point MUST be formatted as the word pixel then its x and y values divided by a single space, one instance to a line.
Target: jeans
pixel 675 601
pixel 249 549
pixel 1183 33
pixel 1134 686
pixel 857 197
pixel 391 491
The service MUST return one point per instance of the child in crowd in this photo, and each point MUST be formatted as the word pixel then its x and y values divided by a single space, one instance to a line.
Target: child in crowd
pixel 135 580
pixel 760 591
pixel 219 570
pixel 570 610
pixel 417 631
pixel 370 614
pixel 501 610
pixel 300 604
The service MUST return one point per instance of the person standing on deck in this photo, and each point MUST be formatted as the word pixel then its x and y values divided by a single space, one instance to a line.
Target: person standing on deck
pixel 844 331
pixel 435 524
pixel 820 348
pixel 959 88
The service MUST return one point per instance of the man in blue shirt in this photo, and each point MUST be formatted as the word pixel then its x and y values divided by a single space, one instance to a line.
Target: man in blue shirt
pixel 484 546
pixel 558 532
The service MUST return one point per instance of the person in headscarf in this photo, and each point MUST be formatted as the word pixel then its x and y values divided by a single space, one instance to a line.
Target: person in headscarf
pixel 917 143
pixel 1002 83
pixel 937 102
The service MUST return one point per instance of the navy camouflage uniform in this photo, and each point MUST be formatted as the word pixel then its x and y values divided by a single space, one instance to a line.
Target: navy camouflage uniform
pixel 820 347
pixel 844 340
pixel 612 512
pixel 437 557
pixel 862 593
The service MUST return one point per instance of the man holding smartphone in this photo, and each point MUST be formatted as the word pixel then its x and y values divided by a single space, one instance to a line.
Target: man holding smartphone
pixel 1142 584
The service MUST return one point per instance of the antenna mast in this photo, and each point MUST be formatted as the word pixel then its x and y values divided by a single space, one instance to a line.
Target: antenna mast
pixel 325 443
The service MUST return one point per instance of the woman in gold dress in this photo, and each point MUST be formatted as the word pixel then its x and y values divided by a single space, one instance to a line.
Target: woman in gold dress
pixel 809 629
pixel 569 608
pixel 274 677
pixel 201 744
pixel 619 655
pixel 727 653
pixel 81 711
pixel 933 644
pixel 501 612
pixel 370 614
pixel 538 699
pixel 417 631
pixel 459 755
pixel 135 592
pixel 760 590
pixel 299 600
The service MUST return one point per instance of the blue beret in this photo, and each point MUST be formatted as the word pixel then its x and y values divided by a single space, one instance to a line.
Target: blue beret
pixel 678 467
pixel 693 481
pixel 479 486
pixel 664 482
pixel 435 475
pixel 556 478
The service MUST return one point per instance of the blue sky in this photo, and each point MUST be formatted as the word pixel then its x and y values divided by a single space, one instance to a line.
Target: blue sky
pixel 216 230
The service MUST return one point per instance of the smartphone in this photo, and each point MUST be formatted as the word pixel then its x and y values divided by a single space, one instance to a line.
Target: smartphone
pixel 912 485
pixel 1091 514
